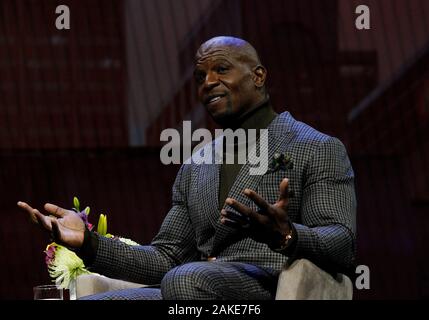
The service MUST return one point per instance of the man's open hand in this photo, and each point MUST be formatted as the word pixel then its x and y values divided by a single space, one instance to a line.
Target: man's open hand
pixel 65 226
pixel 269 224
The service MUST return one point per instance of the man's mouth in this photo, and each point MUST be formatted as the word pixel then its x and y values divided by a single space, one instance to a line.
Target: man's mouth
pixel 212 99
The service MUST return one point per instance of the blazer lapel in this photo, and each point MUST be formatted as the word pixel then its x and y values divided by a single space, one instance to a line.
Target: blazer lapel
pixel 208 187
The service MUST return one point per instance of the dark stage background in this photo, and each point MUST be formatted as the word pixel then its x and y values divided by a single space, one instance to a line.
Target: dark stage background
pixel 81 111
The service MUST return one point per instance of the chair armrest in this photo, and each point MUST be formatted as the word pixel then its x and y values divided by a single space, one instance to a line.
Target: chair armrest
pixel 303 280
pixel 88 284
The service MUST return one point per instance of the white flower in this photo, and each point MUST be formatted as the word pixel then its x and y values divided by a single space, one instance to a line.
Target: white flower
pixel 65 266
pixel 128 241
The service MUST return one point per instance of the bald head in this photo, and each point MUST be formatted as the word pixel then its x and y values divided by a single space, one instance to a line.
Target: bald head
pixel 236 47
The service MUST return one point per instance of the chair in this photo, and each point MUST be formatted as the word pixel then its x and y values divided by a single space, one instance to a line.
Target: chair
pixel 302 280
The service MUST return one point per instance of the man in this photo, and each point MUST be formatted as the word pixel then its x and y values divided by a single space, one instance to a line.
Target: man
pixel 229 233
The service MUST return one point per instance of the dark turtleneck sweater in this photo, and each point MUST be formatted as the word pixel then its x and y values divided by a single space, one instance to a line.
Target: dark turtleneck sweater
pixel 259 118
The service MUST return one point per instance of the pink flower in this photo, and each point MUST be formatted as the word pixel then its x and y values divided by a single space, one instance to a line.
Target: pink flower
pixel 50 254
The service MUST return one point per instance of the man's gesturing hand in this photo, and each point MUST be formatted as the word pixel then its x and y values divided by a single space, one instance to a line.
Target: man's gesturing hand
pixel 269 224
pixel 65 226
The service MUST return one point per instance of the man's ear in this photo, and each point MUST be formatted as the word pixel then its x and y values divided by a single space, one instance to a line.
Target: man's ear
pixel 259 76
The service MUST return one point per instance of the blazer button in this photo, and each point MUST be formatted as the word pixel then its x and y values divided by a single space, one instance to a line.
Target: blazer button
pixel 211 258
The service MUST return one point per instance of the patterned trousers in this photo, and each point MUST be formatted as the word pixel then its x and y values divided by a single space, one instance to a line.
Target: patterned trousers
pixel 205 281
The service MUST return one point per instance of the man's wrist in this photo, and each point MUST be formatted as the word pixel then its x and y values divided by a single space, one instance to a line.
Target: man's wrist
pixel 88 250
pixel 287 239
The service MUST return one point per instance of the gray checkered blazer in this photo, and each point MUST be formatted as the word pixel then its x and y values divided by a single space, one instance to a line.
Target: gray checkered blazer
pixel 322 210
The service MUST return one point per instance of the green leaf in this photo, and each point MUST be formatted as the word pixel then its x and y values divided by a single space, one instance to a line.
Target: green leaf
pixel 87 209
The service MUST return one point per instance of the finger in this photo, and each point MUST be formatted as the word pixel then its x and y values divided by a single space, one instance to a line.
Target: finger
pixel 283 200
pixel 229 223
pixel 244 209
pixel 257 199
pixel 43 220
pixel 241 208
pixel 29 209
pixel 234 217
pixel 55 210
pixel 24 205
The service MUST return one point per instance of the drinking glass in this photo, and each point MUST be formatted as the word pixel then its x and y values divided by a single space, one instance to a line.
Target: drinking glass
pixel 48 292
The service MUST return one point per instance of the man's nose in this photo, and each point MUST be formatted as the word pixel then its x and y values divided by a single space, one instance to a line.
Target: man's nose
pixel 211 80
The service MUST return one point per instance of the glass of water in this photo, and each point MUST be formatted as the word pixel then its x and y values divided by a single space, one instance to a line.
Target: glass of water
pixel 48 292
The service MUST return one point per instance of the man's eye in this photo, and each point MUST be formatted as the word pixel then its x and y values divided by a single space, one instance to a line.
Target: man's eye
pixel 199 77
pixel 222 69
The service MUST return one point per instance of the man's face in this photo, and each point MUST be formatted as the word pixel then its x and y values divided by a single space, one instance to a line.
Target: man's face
pixel 225 84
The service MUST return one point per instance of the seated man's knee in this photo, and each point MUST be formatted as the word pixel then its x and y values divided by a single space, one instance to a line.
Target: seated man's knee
pixel 188 281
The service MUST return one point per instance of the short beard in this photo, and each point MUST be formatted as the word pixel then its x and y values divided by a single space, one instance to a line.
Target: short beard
pixel 233 121
pixel 227 119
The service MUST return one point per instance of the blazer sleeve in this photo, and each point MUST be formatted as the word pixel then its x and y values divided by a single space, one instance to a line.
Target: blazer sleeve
pixel 174 244
pixel 326 234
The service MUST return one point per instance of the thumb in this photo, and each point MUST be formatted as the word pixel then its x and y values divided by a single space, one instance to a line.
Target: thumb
pixel 283 200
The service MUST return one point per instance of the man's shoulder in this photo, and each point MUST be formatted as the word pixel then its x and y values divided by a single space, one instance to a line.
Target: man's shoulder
pixel 303 141
pixel 302 132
